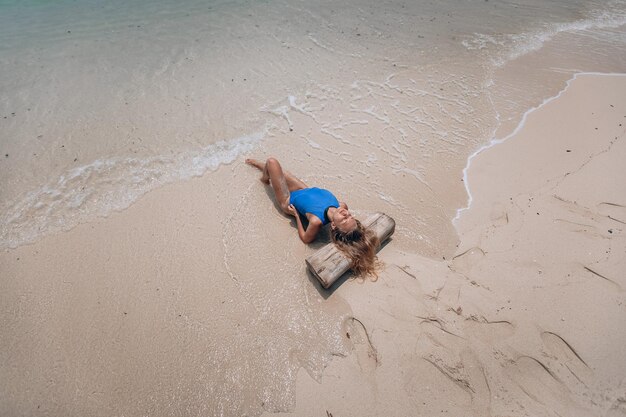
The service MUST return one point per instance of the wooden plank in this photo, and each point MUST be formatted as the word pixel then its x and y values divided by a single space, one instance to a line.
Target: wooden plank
pixel 329 263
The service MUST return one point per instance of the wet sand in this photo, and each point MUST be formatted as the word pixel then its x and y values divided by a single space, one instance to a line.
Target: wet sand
pixel 524 320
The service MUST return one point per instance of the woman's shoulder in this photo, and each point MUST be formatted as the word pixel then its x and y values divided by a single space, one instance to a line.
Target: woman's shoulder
pixel 313 219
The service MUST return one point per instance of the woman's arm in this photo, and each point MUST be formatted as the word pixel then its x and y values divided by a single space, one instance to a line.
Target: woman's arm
pixel 308 235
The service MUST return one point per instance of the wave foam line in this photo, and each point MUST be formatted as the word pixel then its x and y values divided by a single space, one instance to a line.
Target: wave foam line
pixel 519 127
pixel 106 185
pixel 517 45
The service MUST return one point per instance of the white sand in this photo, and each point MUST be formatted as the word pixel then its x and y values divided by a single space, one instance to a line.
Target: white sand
pixel 145 271
pixel 133 314
pixel 526 319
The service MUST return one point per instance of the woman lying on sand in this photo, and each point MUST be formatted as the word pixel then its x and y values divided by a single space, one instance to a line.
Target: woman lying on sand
pixel 321 207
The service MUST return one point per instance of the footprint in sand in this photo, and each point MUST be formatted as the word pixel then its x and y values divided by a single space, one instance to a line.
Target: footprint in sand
pixel 488 332
pixel 558 378
pixel 538 382
pixel 456 364
pixel 565 360
pixel 466 260
pixel 366 354
pixel 542 384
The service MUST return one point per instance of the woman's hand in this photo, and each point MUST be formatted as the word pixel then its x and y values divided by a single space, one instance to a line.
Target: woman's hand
pixel 292 210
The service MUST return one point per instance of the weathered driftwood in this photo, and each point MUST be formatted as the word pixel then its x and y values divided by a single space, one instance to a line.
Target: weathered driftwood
pixel 329 263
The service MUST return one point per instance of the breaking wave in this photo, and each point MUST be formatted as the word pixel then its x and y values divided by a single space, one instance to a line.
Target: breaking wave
pixel 107 185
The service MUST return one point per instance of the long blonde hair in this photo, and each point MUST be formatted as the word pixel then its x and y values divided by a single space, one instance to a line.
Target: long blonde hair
pixel 359 245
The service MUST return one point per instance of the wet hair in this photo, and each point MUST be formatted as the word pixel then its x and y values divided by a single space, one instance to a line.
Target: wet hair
pixel 359 245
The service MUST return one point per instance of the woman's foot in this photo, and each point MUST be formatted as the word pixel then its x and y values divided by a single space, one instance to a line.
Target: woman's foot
pixel 261 167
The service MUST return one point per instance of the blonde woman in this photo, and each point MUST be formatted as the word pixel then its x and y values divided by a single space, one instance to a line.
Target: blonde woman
pixel 321 207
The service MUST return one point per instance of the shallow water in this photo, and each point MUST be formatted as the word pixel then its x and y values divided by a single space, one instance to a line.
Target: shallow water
pixel 122 98
pixel 381 102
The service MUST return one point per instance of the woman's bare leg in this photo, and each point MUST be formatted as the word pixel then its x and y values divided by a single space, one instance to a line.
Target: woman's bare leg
pixel 293 183
pixel 281 181
pixel 261 167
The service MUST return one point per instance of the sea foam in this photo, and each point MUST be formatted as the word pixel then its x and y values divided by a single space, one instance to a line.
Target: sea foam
pixel 496 141
pixel 515 45
pixel 106 185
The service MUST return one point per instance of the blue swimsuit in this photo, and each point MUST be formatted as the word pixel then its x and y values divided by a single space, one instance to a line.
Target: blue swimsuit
pixel 313 200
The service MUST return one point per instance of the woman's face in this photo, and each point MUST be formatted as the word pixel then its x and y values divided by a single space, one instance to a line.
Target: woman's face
pixel 343 220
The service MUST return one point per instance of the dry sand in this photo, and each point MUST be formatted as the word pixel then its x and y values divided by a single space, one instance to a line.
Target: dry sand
pixel 525 319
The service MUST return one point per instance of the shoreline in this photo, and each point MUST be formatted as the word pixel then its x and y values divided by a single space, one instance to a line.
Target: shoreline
pixel 511 324
pixel 494 141
pixel 430 336
pixel 195 297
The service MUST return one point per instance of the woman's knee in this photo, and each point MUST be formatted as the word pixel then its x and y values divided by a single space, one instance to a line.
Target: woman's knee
pixel 273 168
pixel 271 161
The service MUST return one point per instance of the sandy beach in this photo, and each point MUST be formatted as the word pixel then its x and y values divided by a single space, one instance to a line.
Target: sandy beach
pixel 146 271
pixel 524 319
